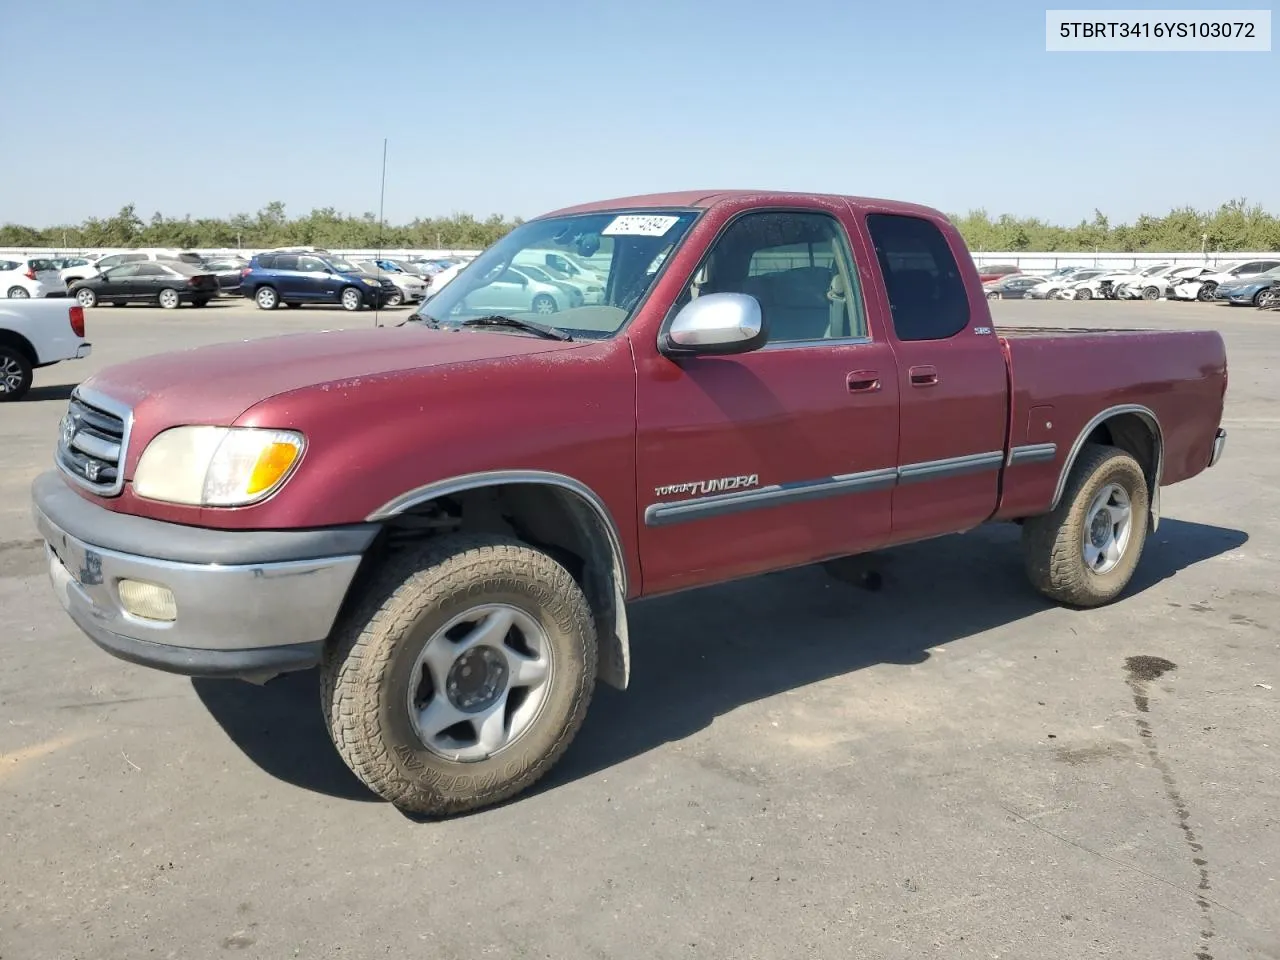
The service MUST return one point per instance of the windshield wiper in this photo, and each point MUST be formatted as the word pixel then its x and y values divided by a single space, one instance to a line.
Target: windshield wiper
pixel 532 326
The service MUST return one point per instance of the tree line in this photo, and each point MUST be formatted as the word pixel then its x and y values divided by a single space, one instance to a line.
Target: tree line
pixel 1236 225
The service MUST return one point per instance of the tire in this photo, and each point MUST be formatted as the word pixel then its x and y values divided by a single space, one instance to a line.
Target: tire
pixel 1151 293
pixel 544 304
pixel 169 298
pixel 395 299
pixel 18 293
pixel 1258 298
pixel 202 302
pixel 1083 293
pixel 15 374
pixel 373 675
pixel 266 298
pixel 351 299
pixel 86 297
pixel 1054 543
pixel 1206 292
pixel 1268 298
pixel 993 295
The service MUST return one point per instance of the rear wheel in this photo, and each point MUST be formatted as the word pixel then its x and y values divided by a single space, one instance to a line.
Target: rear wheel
pixel 1084 552
pixel 1151 293
pixel 463 676
pixel 544 304
pixel 1268 299
pixel 395 299
pixel 266 298
pixel 18 293
pixel 993 295
pixel 202 302
pixel 1083 293
pixel 86 297
pixel 169 298
pixel 15 374
pixel 352 299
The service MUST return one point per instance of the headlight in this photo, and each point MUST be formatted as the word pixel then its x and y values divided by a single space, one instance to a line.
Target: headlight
pixel 216 466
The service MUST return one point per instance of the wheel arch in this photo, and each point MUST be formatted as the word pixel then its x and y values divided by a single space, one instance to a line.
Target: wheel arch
pixel 9 338
pixel 1134 429
pixel 550 511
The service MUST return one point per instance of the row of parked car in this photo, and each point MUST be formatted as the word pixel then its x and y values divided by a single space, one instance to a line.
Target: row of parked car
pixel 1245 283
pixel 171 278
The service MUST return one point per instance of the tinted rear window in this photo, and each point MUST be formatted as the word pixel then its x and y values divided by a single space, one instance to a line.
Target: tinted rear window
pixel 926 293
pixel 42 265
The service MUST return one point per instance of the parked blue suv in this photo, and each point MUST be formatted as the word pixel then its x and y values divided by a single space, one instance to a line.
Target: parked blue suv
pixel 296 278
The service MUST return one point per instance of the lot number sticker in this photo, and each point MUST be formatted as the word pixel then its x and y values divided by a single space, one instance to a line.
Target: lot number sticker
pixel 631 225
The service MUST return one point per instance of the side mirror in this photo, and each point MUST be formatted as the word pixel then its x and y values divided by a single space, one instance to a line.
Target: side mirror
pixel 716 324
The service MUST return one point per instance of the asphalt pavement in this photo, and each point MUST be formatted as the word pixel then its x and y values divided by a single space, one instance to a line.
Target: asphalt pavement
pixel 948 766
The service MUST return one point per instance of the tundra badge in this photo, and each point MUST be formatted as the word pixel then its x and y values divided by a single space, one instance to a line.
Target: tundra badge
pixel 709 486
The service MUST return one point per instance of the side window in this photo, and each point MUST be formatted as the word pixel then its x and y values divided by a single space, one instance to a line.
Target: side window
pixel 797 265
pixel 8 264
pixel 926 292
pixel 311 265
pixel 286 263
pixel 123 271
pixel 267 261
pixel 510 276
pixel 132 257
pixel 149 270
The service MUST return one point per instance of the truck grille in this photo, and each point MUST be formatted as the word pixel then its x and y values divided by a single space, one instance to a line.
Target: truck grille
pixel 92 440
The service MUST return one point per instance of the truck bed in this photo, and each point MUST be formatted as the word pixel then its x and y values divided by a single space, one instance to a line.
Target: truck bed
pixel 1065 380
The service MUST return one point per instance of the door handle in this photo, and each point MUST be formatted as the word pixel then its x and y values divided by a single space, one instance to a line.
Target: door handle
pixel 923 376
pixel 863 381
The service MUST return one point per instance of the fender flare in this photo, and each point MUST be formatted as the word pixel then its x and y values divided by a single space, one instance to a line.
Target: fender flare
pixel 611 613
pixel 1153 481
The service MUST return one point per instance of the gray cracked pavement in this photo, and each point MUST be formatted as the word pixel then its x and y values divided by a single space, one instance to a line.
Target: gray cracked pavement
pixel 945 767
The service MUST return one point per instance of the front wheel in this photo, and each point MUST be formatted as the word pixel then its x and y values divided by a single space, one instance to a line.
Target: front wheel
pixel 395 299
pixel 463 676
pixel 1268 299
pixel 1151 293
pixel 1206 292
pixel 86 297
pixel 352 299
pixel 544 304
pixel 1083 293
pixel 993 295
pixel 1084 552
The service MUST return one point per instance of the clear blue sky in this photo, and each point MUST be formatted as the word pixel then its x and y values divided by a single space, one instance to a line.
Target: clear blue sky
pixel 494 106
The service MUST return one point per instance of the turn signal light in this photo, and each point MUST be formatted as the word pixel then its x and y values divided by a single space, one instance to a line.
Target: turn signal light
pixel 273 463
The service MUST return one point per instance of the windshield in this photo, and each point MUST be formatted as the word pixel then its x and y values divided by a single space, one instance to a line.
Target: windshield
pixel 1274 272
pixel 625 250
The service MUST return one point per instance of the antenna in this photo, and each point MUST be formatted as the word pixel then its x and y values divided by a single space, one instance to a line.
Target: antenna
pixel 382 197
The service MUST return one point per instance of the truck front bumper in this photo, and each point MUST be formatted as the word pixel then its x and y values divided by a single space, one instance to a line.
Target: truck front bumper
pixel 244 603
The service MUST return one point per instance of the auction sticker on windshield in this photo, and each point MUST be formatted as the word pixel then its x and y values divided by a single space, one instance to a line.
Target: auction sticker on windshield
pixel 637 225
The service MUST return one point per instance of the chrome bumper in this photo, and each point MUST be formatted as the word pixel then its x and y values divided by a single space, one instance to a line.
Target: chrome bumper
pixel 235 619
pixel 1219 445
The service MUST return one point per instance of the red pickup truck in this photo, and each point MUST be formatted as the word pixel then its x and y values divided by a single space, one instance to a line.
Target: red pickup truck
pixel 449 514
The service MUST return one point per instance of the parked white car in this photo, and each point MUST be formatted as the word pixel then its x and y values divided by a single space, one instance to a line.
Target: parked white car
pixel 77 268
pixel 1096 287
pixel 1132 284
pixel 1204 285
pixel 439 281
pixel 1052 287
pixel 37 333
pixel 412 287
pixel 94 267
pixel 22 278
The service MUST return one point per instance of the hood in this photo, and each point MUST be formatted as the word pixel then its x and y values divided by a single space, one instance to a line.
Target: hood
pixel 216 384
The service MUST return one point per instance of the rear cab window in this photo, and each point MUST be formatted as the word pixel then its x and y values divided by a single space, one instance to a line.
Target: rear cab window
pixel 927 296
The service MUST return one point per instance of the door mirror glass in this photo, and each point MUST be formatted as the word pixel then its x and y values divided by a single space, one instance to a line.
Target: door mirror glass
pixel 716 323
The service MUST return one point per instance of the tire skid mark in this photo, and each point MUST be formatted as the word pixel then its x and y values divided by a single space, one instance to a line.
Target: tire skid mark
pixel 1142 670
